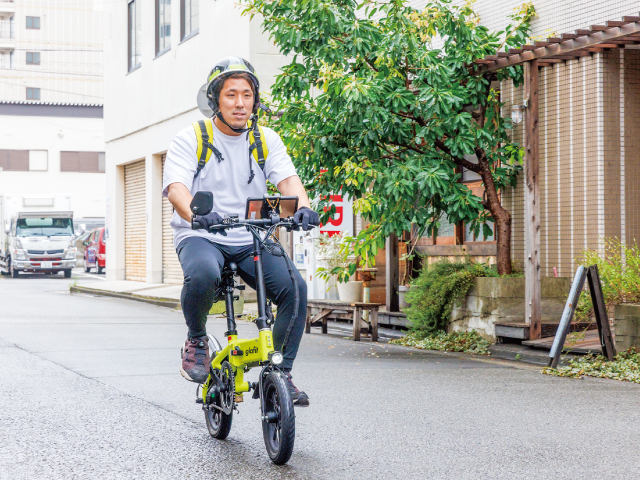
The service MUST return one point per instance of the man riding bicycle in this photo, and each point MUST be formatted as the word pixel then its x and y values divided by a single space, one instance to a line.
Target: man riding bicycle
pixel 242 157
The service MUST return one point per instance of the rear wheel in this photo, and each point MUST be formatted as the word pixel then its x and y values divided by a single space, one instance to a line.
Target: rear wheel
pixel 99 269
pixel 279 424
pixel 219 421
pixel 67 274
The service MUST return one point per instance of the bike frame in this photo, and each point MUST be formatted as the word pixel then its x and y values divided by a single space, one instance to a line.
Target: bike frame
pixel 255 351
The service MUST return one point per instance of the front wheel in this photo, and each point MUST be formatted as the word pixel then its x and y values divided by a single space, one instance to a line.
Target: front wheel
pixel 279 421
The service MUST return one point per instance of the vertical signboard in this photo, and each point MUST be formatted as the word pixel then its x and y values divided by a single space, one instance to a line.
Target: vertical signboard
pixel 304 255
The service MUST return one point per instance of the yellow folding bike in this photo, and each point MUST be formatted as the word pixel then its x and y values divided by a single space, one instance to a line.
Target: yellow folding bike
pixel 225 385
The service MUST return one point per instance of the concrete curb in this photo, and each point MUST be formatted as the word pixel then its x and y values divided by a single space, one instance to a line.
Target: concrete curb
pixel 161 302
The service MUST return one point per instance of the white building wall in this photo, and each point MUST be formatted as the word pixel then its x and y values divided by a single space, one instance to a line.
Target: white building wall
pixel 146 108
pixel 53 135
pixel 70 45
pixel 553 16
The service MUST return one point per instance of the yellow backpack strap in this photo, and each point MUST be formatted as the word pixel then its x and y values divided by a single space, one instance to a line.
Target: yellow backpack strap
pixel 204 137
pixel 258 146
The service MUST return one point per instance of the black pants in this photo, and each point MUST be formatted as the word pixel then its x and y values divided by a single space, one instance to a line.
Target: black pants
pixel 202 262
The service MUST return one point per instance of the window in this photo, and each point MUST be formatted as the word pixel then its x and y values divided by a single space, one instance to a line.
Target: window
pixel 14 160
pixel 135 35
pixel 33 23
pixel 38 160
pixel 83 162
pixel 33 93
pixel 33 58
pixel 189 14
pixel 163 26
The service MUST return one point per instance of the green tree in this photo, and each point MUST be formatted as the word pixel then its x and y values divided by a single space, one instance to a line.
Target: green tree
pixel 385 103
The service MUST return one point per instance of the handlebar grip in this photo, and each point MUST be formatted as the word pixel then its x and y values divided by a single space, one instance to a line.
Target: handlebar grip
pixel 196 225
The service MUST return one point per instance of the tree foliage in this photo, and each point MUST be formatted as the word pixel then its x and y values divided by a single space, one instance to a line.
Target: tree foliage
pixel 384 103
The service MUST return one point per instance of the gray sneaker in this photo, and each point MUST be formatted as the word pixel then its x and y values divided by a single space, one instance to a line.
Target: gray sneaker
pixel 300 399
pixel 195 359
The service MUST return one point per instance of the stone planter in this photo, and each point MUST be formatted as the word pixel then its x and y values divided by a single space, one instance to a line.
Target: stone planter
pixel 501 300
pixel 350 291
pixel 402 301
pixel 627 326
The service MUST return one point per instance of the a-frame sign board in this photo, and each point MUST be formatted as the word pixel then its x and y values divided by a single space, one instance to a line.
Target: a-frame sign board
pixel 599 308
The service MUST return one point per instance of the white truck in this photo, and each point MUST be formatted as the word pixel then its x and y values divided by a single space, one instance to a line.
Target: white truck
pixel 36 234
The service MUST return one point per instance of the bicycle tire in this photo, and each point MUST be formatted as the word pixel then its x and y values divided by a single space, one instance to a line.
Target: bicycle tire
pixel 218 422
pixel 279 437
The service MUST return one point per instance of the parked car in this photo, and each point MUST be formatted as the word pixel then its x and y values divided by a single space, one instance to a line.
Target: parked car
pixel 80 248
pixel 95 251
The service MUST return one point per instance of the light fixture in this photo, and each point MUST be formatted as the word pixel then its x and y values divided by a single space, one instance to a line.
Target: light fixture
pixel 516 114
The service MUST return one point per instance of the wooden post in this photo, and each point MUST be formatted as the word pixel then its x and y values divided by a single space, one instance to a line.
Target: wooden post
pixel 357 317
pixel 532 202
pixel 392 274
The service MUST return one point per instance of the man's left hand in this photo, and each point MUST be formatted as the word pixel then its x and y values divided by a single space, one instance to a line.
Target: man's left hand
pixel 307 218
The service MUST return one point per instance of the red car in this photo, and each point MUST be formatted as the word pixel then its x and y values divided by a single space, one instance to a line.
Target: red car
pixel 95 252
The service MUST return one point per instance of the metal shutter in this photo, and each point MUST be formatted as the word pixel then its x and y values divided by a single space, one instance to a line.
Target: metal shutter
pixel 135 223
pixel 171 269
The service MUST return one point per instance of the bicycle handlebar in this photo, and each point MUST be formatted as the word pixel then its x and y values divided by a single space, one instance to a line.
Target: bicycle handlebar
pixel 229 223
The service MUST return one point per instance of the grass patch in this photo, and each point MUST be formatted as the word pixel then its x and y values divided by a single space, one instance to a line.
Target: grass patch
pixel 625 367
pixel 467 342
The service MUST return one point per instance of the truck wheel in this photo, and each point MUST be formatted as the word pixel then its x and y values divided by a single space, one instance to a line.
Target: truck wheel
pixel 67 274
pixel 14 272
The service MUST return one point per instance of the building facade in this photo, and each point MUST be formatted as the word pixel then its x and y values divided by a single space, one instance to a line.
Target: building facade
pixel 51 127
pixel 158 54
pixel 588 133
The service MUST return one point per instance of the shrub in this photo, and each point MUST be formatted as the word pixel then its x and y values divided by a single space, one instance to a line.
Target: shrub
pixel 437 290
pixel 619 270
pixel 467 342
pixel 625 367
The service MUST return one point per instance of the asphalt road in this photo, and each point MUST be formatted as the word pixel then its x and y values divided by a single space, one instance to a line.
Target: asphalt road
pixel 90 388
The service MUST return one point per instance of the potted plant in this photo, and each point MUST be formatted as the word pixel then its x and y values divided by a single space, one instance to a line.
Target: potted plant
pixel 340 266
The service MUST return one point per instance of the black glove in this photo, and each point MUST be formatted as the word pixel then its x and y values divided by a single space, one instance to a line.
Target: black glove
pixel 307 218
pixel 210 220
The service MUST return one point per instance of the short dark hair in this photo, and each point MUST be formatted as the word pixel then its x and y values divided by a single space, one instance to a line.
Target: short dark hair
pixel 220 86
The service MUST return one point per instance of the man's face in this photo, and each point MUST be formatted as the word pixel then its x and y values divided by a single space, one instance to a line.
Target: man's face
pixel 236 102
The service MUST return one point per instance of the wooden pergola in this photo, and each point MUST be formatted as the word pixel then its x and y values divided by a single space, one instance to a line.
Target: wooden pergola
pixel 569 46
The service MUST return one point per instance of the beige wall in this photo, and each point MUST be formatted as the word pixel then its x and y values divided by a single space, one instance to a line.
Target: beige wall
pixel 589 157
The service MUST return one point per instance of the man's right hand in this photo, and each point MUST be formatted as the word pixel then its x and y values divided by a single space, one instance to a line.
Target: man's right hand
pixel 210 220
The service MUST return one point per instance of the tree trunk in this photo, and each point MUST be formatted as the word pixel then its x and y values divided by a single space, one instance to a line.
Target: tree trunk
pixel 501 218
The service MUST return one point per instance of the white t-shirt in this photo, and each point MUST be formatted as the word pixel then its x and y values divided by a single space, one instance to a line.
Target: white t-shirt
pixel 227 180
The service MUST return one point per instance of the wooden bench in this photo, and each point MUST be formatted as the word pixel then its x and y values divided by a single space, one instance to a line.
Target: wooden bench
pixel 346 311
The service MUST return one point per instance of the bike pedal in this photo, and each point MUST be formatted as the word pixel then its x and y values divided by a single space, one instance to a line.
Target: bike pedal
pixel 239 287
pixel 239 399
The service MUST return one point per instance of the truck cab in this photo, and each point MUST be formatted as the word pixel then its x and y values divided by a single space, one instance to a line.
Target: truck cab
pixel 39 242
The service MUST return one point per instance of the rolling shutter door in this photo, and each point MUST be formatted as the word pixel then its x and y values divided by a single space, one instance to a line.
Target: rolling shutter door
pixel 135 222
pixel 171 269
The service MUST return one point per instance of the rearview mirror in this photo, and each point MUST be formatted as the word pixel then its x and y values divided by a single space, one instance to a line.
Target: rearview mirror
pixel 202 203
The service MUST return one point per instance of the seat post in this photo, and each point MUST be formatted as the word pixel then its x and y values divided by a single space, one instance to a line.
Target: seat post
pixel 228 284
